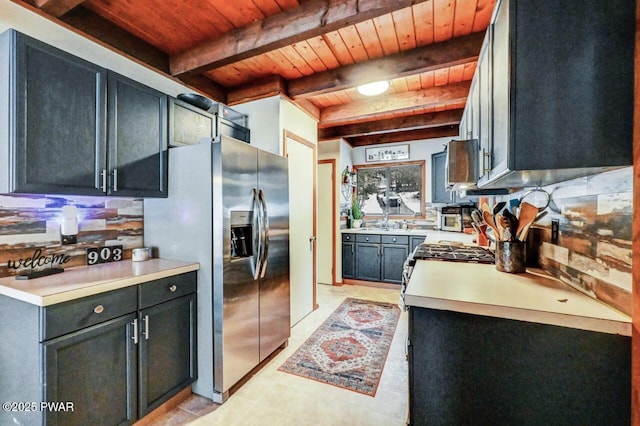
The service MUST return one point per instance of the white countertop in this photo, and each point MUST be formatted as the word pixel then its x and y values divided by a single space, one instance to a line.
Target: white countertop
pixel 390 231
pixel 83 281
pixel 534 296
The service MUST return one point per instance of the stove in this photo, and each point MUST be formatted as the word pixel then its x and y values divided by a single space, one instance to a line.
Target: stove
pixel 453 253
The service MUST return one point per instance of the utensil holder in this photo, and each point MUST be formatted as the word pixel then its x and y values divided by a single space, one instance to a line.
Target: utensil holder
pixel 511 257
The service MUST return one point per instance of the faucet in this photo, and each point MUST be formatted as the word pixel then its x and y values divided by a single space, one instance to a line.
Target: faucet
pixel 385 220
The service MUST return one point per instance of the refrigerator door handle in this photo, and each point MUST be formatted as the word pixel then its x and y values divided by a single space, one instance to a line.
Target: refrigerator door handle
pixel 265 230
pixel 257 231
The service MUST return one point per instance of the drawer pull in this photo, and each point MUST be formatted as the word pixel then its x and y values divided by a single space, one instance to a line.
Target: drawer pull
pixel 173 288
pixel 394 240
pixel 98 309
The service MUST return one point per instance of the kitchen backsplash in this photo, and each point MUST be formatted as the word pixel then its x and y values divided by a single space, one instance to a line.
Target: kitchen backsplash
pixel 29 223
pixel 593 252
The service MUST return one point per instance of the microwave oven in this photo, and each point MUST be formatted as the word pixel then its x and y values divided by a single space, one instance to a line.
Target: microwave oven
pixel 451 219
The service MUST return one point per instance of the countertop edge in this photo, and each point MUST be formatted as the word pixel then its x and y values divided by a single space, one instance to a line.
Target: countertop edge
pixel 100 286
pixel 520 314
pixel 390 231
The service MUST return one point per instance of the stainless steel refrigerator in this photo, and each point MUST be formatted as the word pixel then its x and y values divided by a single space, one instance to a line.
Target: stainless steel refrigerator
pixel 228 209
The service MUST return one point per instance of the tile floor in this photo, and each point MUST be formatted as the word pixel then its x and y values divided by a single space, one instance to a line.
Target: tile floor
pixel 272 397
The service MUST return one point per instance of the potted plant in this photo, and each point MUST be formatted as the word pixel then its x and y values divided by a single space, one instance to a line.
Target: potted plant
pixel 356 213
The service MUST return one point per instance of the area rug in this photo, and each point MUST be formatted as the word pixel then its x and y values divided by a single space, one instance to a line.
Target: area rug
pixel 350 348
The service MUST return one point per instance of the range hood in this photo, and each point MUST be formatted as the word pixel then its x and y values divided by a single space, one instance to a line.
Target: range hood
pixel 462 164
pixel 462 169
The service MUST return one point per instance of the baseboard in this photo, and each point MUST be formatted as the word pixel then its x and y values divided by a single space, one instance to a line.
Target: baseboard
pixel 376 284
pixel 165 408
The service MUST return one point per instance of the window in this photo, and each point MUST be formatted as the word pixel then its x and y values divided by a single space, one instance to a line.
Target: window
pixel 393 189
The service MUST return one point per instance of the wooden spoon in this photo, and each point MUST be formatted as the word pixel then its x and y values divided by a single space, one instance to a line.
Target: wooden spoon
pixel 528 213
pixel 488 218
pixel 498 220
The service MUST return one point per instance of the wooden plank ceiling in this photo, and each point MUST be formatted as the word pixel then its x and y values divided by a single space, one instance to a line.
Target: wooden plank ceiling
pixel 313 51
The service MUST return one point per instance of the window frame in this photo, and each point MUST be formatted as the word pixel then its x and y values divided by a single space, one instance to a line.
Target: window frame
pixel 421 163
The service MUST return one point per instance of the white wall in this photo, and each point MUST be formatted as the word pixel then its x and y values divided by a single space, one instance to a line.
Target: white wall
pixel 264 116
pixel 297 121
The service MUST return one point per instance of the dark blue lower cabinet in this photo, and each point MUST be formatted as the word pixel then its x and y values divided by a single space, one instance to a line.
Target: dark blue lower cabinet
pixel 106 359
pixel 393 257
pixel 167 351
pixel 469 369
pixel 91 375
pixel 375 257
pixel 348 260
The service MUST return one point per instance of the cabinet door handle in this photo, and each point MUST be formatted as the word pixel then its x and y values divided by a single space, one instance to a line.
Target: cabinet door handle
pixel 135 331
pixel 98 309
pixel 146 327
pixel 173 288
pixel 486 162
pixel 103 174
pixel 115 180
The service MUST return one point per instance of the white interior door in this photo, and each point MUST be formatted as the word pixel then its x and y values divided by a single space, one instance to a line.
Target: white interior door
pixel 326 221
pixel 302 169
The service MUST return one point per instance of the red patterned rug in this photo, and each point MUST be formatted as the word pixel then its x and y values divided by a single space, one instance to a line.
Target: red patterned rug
pixel 350 348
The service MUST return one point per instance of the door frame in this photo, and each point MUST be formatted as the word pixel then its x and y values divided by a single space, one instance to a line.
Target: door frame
pixel 286 134
pixel 332 162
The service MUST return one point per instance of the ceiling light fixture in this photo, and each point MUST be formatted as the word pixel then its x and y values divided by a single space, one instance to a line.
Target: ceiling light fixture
pixel 373 89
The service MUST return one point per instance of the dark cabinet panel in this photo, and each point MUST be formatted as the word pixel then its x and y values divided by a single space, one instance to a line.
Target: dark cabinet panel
pixel 63 318
pixel 393 257
pixel 55 119
pixel 116 360
pixel 375 257
pixel 167 350
pixel 95 369
pixel 137 139
pixel 520 373
pixel 561 91
pixel 439 193
pixel 368 261
pixel 348 260
pixel 188 124
pixel 415 242
pixel 76 128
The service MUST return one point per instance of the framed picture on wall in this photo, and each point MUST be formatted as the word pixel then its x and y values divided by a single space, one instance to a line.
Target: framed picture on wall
pixel 387 153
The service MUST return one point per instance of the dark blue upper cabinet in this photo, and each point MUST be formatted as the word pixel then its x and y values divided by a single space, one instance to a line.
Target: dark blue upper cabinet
pixel 138 141
pixel 560 90
pixel 68 131
pixel 55 118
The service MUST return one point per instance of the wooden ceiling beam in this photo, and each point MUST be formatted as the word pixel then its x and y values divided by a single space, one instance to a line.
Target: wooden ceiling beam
pixel 207 86
pixel 269 86
pixel 372 109
pixel 95 26
pixel 56 8
pixel 432 57
pixel 404 136
pixel 312 18
pixel 391 125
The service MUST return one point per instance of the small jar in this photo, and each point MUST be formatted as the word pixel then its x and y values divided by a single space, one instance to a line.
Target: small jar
pixel 140 254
